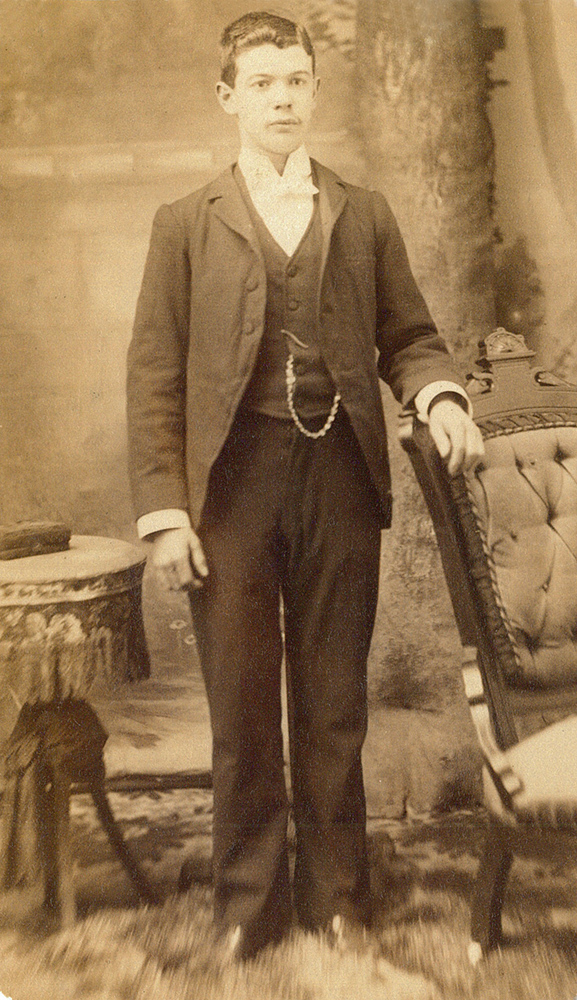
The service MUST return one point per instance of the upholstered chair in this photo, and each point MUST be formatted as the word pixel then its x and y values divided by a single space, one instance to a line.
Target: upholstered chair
pixel 508 539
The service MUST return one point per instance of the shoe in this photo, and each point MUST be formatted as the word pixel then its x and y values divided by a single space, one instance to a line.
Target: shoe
pixel 232 945
pixel 238 943
pixel 348 935
pixel 235 945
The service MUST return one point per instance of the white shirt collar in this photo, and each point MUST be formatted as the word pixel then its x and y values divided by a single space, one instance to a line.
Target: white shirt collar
pixel 285 203
pixel 258 170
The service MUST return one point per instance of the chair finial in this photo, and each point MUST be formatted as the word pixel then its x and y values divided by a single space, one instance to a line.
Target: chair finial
pixel 501 344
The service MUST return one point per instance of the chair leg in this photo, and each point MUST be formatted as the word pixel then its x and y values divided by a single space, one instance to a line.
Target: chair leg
pixel 110 826
pixel 490 889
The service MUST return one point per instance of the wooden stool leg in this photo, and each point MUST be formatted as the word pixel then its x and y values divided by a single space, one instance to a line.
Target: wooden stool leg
pixel 46 829
pixel 54 836
pixel 106 817
pixel 19 822
pixel 490 889
pixel 9 832
pixel 62 852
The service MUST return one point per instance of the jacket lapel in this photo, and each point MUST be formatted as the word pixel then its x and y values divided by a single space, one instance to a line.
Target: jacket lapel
pixel 332 200
pixel 228 204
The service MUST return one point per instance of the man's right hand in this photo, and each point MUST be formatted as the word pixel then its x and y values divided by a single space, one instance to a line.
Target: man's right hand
pixel 178 559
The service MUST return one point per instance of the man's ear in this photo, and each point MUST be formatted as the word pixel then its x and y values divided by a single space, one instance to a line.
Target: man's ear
pixel 226 97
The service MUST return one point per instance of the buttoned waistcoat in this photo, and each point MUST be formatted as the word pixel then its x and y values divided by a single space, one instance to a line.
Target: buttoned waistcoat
pixel 200 318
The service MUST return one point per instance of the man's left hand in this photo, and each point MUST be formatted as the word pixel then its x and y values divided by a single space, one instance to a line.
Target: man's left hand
pixel 457 437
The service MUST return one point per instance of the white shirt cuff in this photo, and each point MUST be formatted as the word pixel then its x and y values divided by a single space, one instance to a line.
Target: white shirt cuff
pixel 161 520
pixel 428 393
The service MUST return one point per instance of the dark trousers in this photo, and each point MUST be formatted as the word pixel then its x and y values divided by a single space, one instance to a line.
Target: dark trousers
pixel 287 515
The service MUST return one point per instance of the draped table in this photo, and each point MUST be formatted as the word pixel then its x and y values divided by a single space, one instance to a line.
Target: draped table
pixel 70 621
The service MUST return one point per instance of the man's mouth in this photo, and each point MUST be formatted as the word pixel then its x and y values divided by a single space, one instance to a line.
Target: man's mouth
pixel 285 121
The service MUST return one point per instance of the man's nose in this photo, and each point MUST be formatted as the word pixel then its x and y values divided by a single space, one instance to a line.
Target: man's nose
pixel 281 95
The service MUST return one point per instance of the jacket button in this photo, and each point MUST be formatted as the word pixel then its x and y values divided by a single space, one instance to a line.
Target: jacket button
pixel 252 284
pixel 293 304
pixel 248 328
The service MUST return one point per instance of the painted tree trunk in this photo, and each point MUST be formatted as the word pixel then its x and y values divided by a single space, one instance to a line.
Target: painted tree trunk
pixel 429 148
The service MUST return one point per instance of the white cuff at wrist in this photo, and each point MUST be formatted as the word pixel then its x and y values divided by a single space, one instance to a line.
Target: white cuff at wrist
pixel 426 396
pixel 161 520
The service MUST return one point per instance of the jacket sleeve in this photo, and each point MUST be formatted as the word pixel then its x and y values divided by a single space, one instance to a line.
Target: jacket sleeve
pixel 156 372
pixel 411 354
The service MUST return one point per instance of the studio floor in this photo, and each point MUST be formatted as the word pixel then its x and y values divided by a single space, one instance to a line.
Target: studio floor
pixel 423 870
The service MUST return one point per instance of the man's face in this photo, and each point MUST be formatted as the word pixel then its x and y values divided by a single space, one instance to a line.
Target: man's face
pixel 273 98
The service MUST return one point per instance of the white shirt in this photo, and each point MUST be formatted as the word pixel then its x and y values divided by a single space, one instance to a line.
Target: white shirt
pixel 285 204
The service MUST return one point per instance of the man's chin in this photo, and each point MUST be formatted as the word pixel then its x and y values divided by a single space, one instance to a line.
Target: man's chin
pixel 283 148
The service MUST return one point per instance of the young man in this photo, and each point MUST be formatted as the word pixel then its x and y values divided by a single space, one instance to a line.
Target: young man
pixel 259 468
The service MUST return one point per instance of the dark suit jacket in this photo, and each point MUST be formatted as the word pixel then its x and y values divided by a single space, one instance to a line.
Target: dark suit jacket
pixel 200 318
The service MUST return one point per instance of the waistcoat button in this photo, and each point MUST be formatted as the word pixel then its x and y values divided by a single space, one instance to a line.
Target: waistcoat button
pixel 293 304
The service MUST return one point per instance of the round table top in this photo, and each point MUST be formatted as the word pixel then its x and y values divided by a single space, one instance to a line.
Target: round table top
pixel 88 556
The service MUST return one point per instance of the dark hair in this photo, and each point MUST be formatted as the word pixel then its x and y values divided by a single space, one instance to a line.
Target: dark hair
pixel 259 27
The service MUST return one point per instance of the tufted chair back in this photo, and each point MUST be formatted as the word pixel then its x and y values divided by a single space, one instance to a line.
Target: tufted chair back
pixel 508 540
pixel 525 502
pixel 508 533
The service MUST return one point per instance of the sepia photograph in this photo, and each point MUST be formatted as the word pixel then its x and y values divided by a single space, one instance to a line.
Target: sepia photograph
pixel 288 500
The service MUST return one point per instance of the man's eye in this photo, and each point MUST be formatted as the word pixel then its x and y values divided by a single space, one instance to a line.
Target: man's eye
pixel 261 84
pixel 298 81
